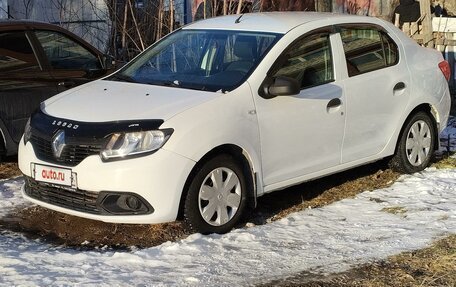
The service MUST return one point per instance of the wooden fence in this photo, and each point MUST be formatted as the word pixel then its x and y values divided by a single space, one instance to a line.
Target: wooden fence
pixel 434 32
pixel 421 30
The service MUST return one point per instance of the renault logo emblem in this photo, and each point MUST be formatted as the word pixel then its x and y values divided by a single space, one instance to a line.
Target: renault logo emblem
pixel 58 143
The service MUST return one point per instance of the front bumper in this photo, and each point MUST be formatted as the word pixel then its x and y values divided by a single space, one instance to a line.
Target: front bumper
pixel 158 178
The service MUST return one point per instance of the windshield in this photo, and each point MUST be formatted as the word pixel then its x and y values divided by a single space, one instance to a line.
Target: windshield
pixel 209 60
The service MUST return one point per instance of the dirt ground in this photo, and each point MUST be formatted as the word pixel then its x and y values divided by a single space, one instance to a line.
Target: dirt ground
pixel 72 231
pixel 429 267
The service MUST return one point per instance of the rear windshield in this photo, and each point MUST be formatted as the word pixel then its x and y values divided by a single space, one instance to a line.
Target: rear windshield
pixel 209 60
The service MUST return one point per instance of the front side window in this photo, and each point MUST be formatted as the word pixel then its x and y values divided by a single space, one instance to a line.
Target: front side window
pixel 209 60
pixel 308 61
pixel 16 52
pixel 367 49
pixel 65 54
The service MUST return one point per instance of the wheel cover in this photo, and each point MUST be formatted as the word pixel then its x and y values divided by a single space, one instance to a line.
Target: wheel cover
pixel 219 196
pixel 418 144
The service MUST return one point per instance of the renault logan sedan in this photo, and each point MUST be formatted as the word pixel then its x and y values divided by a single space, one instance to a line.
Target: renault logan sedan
pixel 38 60
pixel 225 110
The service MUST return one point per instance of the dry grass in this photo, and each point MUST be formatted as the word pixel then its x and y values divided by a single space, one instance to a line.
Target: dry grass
pixel 429 267
pixel 328 190
pixel 9 169
pixel 396 210
pixel 348 184
pixel 445 162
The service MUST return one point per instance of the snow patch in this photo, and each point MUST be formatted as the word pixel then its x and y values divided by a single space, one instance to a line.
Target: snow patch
pixel 328 239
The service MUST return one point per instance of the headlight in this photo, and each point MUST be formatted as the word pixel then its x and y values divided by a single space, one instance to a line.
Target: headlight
pixel 27 132
pixel 121 145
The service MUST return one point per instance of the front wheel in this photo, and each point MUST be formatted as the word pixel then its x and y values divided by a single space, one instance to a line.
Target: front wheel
pixel 216 197
pixel 416 145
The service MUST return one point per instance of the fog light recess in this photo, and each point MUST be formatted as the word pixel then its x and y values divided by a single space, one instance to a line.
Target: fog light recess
pixel 123 203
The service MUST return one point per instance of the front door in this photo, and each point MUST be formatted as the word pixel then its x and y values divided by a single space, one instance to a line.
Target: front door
pixel 23 83
pixel 303 134
pixel 70 63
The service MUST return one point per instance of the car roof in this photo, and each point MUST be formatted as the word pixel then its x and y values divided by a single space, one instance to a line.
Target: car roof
pixel 276 22
pixel 13 24
pixel 29 23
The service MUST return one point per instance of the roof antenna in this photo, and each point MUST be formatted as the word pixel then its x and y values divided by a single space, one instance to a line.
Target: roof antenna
pixel 238 20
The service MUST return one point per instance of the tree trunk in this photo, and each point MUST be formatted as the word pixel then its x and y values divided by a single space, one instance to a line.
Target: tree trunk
pixel 323 5
pixel 239 7
pixel 136 25
pixel 204 9
pixel 171 15
pixel 124 27
pixel 160 20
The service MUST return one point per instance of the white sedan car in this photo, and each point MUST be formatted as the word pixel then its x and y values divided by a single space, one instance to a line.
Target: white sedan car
pixel 227 109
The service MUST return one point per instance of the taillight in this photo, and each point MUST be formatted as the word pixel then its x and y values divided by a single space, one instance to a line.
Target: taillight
pixel 445 68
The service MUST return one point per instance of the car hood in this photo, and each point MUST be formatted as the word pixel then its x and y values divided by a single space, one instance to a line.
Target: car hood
pixel 102 101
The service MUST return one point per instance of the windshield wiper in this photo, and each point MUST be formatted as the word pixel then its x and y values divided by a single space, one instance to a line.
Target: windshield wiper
pixel 183 85
pixel 165 83
pixel 123 78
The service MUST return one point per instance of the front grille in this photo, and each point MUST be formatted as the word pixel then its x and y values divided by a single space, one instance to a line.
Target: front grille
pixel 71 155
pixel 75 199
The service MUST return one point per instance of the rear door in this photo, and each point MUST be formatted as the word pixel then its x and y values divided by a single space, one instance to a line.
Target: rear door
pixel 377 90
pixel 24 83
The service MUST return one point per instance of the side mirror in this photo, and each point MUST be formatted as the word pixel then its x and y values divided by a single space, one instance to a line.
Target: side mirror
pixel 94 73
pixel 279 86
pixel 108 62
pixel 284 86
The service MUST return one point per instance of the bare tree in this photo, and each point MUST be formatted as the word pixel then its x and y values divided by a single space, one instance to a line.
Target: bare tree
pixel 239 7
pixel 323 5
pixel 171 15
pixel 136 25
pixel 28 6
pixel 225 7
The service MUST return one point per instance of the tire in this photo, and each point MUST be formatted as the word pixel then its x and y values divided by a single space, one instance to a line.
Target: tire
pixel 211 206
pixel 415 148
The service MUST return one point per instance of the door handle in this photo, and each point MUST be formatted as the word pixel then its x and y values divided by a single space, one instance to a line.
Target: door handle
pixel 399 86
pixel 399 89
pixel 334 103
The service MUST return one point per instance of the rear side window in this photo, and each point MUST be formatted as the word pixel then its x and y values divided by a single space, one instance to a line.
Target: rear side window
pixel 65 54
pixel 308 61
pixel 367 49
pixel 16 52
pixel 391 50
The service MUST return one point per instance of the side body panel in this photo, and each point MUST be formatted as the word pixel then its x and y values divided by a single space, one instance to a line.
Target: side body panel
pixel 227 119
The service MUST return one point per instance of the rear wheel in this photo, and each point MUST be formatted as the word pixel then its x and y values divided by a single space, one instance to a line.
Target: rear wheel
pixel 416 145
pixel 216 197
